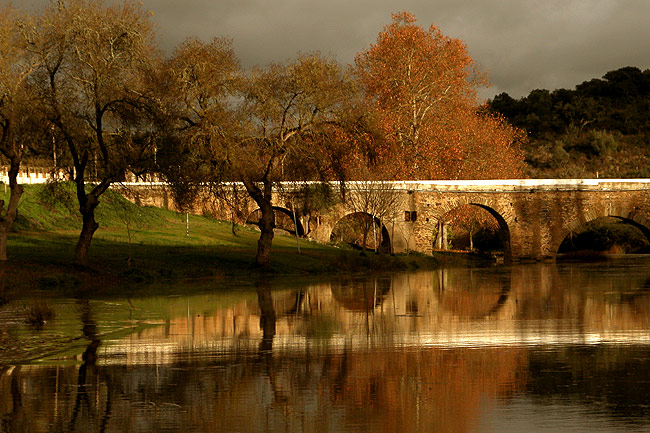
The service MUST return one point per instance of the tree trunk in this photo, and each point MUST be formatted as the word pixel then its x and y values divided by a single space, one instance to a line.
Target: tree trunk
pixel 87 205
pixel 8 216
pixel 438 243
pixel 380 240
pixel 233 223
pixel 267 224
pixel 374 234
pixel 4 235
pixel 85 238
pixel 471 240
pixel 365 240
pixel 88 202
pixel 445 242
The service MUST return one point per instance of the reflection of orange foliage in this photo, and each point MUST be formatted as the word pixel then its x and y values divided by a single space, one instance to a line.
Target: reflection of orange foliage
pixel 182 376
pixel 361 294
pixel 469 304
pixel 470 295
pixel 427 389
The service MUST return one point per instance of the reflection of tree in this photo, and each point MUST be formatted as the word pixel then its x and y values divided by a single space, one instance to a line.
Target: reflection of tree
pixel 15 418
pixel 268 324
pixel 89 358
pixel 267 316
pixel 286 380
pixel 423 390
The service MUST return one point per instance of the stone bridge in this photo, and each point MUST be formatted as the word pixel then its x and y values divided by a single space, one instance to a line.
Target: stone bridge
pixel 534 215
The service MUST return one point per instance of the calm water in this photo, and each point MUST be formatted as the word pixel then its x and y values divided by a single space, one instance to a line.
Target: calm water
pixel 535 348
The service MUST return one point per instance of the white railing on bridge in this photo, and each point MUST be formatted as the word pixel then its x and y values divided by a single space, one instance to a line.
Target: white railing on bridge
pixel 36 175
pixel 29 175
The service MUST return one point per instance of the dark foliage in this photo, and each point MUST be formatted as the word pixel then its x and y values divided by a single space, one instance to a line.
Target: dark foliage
pixel 599 129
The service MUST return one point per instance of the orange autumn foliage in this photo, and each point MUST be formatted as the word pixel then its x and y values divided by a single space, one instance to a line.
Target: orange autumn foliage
pixel 422 87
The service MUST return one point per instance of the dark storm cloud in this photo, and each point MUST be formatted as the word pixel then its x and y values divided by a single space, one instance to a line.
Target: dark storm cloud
pixel 524 44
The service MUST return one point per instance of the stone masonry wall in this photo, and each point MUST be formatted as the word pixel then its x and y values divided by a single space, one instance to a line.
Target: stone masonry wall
pixel 534 215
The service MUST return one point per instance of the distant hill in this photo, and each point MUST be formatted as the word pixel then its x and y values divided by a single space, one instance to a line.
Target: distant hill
pixel 599 129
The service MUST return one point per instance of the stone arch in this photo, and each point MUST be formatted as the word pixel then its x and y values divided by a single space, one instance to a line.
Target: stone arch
pixel 643 228
pixel 253 218
pixel 386 242
pixel 636 219
pixel 493 208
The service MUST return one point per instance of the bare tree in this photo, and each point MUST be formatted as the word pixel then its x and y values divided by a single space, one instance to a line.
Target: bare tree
pixel 380 201
pixel 200 85
pixel 17 65
pixel 95 61
pixel 260 128
pixel 290 112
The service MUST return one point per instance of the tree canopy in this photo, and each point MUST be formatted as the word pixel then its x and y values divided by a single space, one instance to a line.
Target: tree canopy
pixel 94 61
pixel 423 88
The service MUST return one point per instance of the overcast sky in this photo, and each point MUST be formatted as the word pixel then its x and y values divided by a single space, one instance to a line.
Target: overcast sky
pixel 523 44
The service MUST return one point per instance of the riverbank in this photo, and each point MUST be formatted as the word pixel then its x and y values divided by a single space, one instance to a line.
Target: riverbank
pixel 138 245
pixel 43 260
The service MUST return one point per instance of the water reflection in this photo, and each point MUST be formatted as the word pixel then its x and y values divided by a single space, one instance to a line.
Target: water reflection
pixel 455 350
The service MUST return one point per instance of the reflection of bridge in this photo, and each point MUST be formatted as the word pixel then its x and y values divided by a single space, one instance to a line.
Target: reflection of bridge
pixel 535 304
pixel 534 215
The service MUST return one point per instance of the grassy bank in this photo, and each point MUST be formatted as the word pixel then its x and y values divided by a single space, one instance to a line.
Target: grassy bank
pixel 147 245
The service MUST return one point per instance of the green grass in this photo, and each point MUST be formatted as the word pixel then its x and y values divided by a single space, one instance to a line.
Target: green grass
pixel 150 245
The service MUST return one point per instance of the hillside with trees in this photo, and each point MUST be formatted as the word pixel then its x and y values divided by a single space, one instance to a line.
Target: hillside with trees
pixel 601 128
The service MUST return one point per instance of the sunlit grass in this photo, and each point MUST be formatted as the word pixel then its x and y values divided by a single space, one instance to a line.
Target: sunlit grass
pixel 153 238
pixel 148 244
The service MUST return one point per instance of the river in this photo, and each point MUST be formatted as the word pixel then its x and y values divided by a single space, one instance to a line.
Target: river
pixel 530 347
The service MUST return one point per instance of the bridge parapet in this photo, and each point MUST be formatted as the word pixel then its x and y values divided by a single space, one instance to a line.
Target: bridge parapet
pixel 524 185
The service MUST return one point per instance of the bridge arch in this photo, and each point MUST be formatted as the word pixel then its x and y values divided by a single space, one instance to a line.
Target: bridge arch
pixel 633 219
pixel 643 227
pixel 385 240
pixel 634 216
pixel 286 222
pixel 495 209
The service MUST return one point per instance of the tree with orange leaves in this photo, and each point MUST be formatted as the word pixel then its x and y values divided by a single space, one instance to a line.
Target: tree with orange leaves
pixel 422 85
